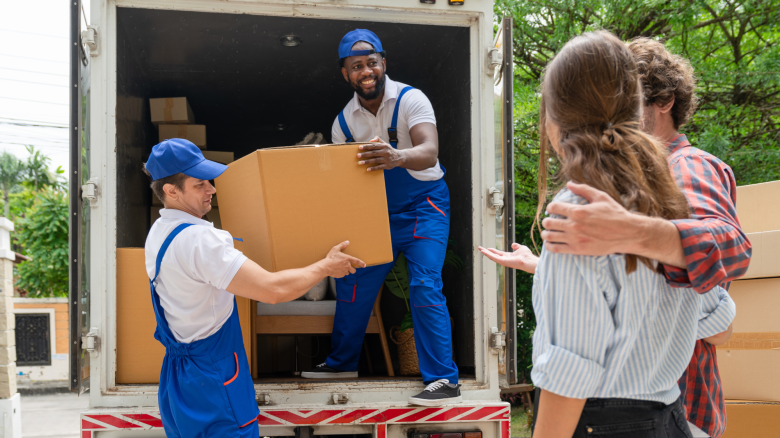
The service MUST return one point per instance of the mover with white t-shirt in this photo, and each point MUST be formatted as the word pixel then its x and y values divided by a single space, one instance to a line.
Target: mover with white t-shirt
pixel 400 120
pixel 205 384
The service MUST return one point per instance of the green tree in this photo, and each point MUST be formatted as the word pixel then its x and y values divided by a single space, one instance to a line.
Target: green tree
pixel 733 47
pixel 43 233
pixel 38 174
pixel 12 174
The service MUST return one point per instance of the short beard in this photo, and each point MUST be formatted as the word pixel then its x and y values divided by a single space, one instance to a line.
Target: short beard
pixel 380 87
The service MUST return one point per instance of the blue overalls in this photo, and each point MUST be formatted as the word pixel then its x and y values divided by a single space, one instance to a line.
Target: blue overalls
pixel 419 227
pixel 206 388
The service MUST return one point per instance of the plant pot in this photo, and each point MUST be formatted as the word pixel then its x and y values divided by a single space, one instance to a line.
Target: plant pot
pixel 407 351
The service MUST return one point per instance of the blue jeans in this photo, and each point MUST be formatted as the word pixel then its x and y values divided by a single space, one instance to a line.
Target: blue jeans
pixel 627 418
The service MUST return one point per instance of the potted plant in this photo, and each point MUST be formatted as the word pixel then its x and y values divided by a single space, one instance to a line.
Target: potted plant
pixel 397 282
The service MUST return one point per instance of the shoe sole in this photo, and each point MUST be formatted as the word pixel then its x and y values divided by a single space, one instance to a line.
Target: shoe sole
pixel 342 375
pixel 440 402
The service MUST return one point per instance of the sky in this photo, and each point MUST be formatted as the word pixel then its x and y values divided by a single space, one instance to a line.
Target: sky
pixel 34 69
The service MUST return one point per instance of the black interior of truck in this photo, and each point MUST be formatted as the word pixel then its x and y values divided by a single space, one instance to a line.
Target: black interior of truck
pixel 253 92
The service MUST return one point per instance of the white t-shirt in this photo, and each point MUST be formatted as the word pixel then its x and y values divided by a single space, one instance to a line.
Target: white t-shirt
pixel 415 109
pixel 199 264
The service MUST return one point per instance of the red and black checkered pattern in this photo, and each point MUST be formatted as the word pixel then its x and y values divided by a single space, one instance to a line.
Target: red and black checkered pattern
pixel 717 252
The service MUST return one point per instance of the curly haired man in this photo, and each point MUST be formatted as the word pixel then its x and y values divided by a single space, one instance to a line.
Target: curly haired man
pixel 703 252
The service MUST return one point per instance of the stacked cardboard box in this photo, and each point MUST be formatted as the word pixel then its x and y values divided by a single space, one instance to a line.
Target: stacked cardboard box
pixel 749 363
pixel 174 118
pixel 138 355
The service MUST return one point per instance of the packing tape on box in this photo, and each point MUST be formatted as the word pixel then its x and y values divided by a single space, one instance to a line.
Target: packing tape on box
pixel 182 131
pixel 323 154
pixel 753 341
pixel 167 113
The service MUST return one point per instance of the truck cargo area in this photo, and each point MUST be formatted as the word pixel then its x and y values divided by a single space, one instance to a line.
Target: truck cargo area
pixel 253 92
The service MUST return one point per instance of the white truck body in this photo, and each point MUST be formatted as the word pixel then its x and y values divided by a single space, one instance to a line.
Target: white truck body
pixel 378 407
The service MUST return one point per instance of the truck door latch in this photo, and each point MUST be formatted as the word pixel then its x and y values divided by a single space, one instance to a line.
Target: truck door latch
pixel 89 38
pixel 494 200
pixel 340 398
pixel 495 59
pixel 89 191
pixel 91 341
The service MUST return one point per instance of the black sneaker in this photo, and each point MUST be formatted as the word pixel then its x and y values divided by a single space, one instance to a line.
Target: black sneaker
pixel 438 393
pixel 323 371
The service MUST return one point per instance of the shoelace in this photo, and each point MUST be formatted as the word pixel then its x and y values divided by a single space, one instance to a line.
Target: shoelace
pixel 324 364
pixel 436 385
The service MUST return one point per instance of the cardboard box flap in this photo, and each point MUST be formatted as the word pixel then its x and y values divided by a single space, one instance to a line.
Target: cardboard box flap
pixel 757 207
pixel 765 259
pixel 194 133
pixel 171 110
pixel 757 304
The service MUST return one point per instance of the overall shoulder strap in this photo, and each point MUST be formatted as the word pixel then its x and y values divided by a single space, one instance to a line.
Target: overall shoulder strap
pixel 165 246
pixel 392 132
pixel 345 128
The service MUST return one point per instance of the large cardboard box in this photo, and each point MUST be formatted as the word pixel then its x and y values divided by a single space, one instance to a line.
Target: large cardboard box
pixel 171 110
pixel 194 133
pixel 138 355
pixel 752 419
pixel 749 366
pixel 765 260
pixel 758 208
pixel 292 205
pixel 749 363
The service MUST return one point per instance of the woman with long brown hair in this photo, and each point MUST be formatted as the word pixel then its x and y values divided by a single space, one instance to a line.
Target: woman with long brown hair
pixel 612 337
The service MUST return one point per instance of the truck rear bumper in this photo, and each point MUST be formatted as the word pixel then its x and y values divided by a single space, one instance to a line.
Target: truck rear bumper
pixel 326 420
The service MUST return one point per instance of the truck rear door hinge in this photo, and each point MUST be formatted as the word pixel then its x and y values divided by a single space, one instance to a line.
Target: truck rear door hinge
pixel 89 38
pixel 89 191
pixel 91 341
pixel 495 202
pixel 497 339
pixel 495 57
pixel 498 343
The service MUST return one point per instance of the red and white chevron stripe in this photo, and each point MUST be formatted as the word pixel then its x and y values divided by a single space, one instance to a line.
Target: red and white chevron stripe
pixel 133 420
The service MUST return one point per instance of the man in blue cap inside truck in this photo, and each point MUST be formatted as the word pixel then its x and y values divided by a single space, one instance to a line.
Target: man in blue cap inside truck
pixel 399 120
pixel 205 384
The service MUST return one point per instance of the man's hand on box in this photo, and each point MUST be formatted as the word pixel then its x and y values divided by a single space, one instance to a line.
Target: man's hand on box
pixel 380 156
pixel 339 264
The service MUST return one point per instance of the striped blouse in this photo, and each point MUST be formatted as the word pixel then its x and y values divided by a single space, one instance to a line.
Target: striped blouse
pixel 602 333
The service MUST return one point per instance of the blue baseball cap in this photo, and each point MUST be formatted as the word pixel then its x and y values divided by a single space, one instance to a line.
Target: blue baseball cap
pixel 177 155
pixel 349 40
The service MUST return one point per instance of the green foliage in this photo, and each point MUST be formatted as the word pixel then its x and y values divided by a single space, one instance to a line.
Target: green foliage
pixel 44 235
pixel 12 173
pixel 37 173
pixel 733 47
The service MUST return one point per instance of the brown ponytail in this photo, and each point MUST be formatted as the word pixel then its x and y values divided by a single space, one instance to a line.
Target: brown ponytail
pixel 592 94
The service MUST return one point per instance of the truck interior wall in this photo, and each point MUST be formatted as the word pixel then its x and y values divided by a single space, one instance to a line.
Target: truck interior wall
pixel 252 93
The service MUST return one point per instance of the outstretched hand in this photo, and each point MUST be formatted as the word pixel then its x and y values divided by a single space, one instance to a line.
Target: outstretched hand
pixel 521 258
pixel 339 264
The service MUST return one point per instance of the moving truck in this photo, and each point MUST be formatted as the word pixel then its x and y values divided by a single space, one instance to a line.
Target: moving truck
pixel 264 73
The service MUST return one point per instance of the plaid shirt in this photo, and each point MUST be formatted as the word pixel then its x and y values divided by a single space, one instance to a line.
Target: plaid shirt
pixel 716 252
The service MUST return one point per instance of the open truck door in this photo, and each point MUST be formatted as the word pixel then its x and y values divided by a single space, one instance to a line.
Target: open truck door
pixel 502 196
pixel 82 194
